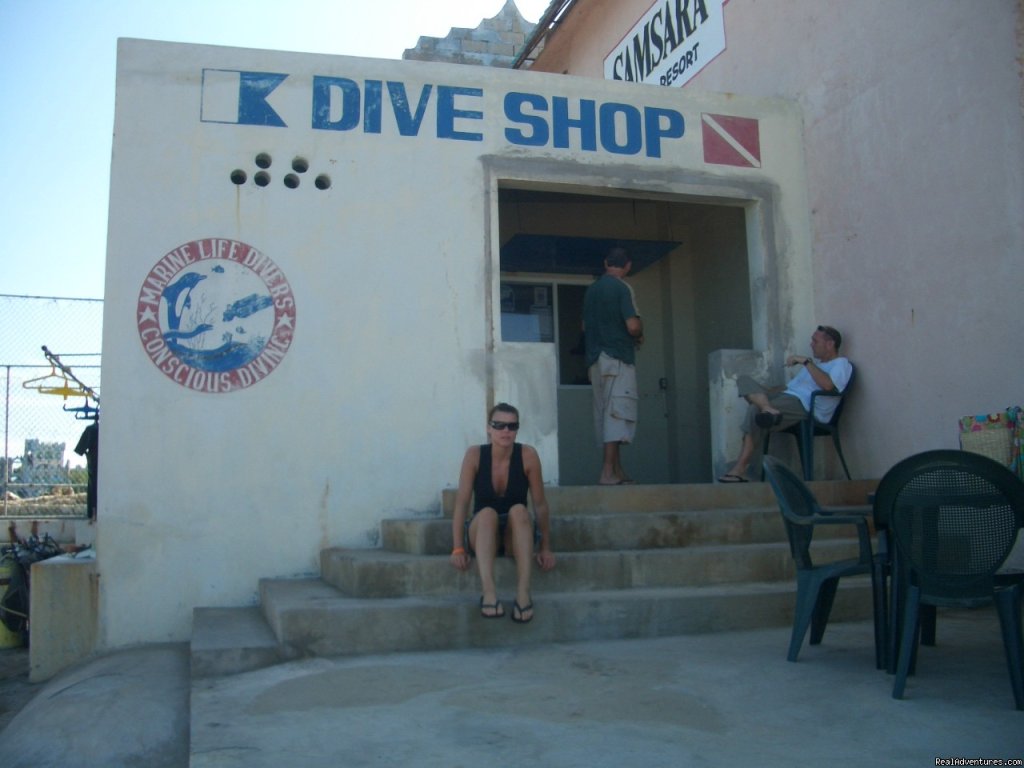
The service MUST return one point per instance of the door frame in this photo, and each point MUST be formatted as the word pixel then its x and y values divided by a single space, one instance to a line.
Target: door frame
pixel 774 302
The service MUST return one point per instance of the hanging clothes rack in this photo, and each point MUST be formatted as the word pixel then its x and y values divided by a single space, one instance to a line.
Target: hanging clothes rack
pixel 85 412
pixel 54 383
pixel 85 388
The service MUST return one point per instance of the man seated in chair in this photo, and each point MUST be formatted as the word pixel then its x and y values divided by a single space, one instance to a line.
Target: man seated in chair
pixel 778 408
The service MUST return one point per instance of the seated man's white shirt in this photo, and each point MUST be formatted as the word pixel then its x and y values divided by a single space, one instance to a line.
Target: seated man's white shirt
pixel 803 385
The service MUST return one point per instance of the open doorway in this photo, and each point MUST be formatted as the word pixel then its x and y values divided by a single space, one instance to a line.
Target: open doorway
pixel 691 278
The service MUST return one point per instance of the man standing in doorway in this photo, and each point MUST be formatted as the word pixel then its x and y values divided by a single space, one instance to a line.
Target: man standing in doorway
pixel 612 331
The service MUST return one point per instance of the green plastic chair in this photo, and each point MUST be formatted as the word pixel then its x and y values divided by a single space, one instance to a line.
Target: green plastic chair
pixel 817 582
pixel 809 428
pixel 954 519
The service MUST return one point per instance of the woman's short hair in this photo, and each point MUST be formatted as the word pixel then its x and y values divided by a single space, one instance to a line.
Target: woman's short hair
pixel 503 408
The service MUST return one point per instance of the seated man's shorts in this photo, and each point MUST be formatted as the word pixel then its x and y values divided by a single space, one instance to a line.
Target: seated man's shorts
pixel 789 406
pixel 615 400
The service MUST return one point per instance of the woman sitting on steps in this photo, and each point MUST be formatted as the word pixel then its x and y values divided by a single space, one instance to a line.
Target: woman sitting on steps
pixel 498 476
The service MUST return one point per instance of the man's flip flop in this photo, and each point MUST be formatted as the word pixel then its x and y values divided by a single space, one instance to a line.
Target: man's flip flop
pixel 496 606
pixel 518 611
pixel 732 479
pixel 767 420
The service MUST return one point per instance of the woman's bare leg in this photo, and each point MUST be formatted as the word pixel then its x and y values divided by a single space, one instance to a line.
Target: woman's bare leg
pixel 483 537
pixel 520 534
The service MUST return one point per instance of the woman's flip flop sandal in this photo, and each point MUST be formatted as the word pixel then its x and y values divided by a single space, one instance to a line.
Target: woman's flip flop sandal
pixel 518 611
pixel 496 607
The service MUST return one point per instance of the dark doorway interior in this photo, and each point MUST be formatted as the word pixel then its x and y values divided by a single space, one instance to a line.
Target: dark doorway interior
pixel 691 278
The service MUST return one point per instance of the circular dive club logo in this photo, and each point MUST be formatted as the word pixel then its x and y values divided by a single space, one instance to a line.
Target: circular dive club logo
pixel 216 315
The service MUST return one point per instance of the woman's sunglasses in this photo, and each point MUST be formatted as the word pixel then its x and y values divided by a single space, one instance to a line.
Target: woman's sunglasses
pixel 500 425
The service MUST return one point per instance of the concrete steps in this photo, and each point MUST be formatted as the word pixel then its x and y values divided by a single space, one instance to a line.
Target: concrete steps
pixel 640 561
pixel 228 640
pixel 318 621
pixel 613 530
pixel 372 574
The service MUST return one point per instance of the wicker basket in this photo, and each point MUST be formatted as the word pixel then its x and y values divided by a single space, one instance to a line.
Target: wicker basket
pixel 997 436
pixel 995 443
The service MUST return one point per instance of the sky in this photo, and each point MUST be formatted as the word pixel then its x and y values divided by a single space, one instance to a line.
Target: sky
pixel 57 77
pixel 57 72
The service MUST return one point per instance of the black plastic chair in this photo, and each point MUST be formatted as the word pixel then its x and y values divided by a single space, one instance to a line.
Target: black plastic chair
pixel 954 517
pixel 817 582
pixel 809 428
pixel 885 563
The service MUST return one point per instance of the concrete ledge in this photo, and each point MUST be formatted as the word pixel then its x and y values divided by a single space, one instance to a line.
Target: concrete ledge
pixel 63 608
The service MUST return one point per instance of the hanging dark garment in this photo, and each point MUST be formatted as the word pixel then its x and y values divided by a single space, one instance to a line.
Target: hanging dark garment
pixel 89 446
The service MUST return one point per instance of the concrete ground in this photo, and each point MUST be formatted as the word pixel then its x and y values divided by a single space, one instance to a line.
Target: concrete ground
pixel 127 708
pixel 15 689
pixel 706 700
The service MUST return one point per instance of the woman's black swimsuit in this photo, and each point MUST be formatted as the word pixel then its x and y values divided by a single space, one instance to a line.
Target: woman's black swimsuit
pixel 518 485
pixel 485 496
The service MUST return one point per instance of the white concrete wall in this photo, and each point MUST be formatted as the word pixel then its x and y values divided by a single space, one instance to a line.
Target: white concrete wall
pixel 393 273
pixel 914 138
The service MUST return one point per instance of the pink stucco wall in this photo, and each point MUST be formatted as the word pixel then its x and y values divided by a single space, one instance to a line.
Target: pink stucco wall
pixel 914 143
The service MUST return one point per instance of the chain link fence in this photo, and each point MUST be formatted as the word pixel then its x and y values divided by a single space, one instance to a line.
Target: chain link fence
pixel 49 420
